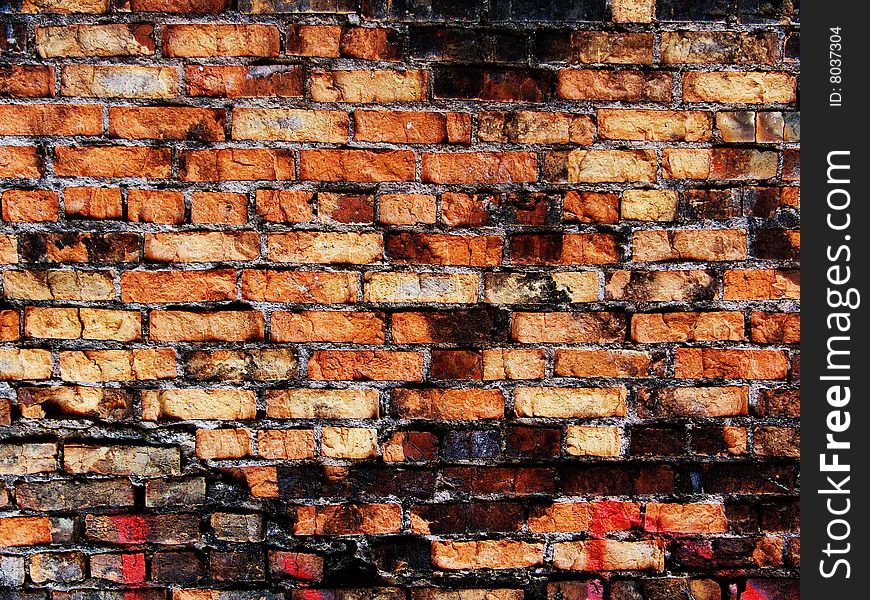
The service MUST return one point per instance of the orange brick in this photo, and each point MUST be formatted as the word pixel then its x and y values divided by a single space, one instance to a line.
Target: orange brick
pixel 113 81
pixel 598 517
pixel 20 162
pixel 223 443
pixel 486 554
pixel 195 404
pixel 221 40
pixel 762 284
pixel 480 167
pixel 112 39
pixel 93 203
pixel 50 119
pixel 9 323
pixel 683 245
pixel 609 555
pixel 356 165
pixel 29 205
pixel 591 207
pixel 328 326
pixel 213 326
pixel 282 81
pixel 365 365
pixel 178 286
pixel 461 405
pixel 348 519
pixel 440 249
pixel 776 328
pixel 300 287
pixel 535 127
pixel 290 125
pixel 155 206
pixel 730 364
pixel 219 207
pixel 345 208
pixel 286 206
pixel 685 518
pixel 286 444
pixel 202 246
pixel 376 85
pixel 112 161
pixel 626 85
pixel 566 327
pixel 24 531
pixel 167 123
pixel 237 164
pixel 314 40
pixel 608 363
pixel 326 247
pixel 371 43
pixel 686 327
pixel 401 127
pixel 564 249
pixel 27 82
pixel 407 209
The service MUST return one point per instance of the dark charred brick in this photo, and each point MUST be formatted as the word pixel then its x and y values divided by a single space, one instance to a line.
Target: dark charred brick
pixel 466 45
pixel 457 365
pixel 97 248
pixel 420 10
pixel 509 481
pixel 571 590
pixel 712 204
pixel 657 441
pixel 177 568
pixel 467 517
pixel 764 11
pixel 238 565
pixel 160 493
pixel 756 478
pixel 520 11
pixel 524 208
pixel 689 10
pixel 469 445
pixel 780 516
pixel 74 496
pixel 710 440
pixel 778 403
pixel 475 325
pixel 777 244
pixel 532 442
pixel 13 39
pixel 676 588
pixel 536 247
pixel 400 553
pixel 617 480
pixel 765 202
pixel 792 49
pixel 791 164
pixel 494 84
pixel 376 482
pixel 742 517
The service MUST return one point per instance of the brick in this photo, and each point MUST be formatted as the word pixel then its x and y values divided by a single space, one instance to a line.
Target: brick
pixel 746 87
pixel 112 161
pixel 29 205
pixel 685 245
pixel 686 326
pixel 170 529
pixel 492 83
pixel 141 461
pixel 448 404
pixel 219 207
pixel 685 518
pixel 456 364
pixel 328 326
pixel 155 206
pixel 633 11
pixel 592 207
pixel 349 442
pixel 58 285
pixel 266 364
pixel 716 47
pixel 649 205
pixel 459 209
pixel 180 6
pixel 737 126
pixel 299 287
pixel 314 40
pixel 346 208
pixel 118 568
pixel 27 458
pixel 119 81
pixel 290 125
pixel 24 531
pixel 730 364
pixel 111 39
pixel 220 40
pixel 420 287
pixel 325 247
pixel 11 571
pixel 348 519
pixel 609 555
pixel 21 363
pixel 286 444
pixel 50 119
pixel 356 165
pixel 178 286
pixel 513 364
pixel 161 493
pixel 92 203
pixel 86 323
pixel 533 127
pixel 593 441
pixel 600 166
pixel 564 249
pixel 693 402
pixel 322 404
pixel 287 206
pixel 365 365
pixel 778 244
pixel 63 567
pixel 407 209
pixel 479 167
pixel 281 81
pixel 777 441
pixel 106 403
pixel 9 325
pixel 162 123
pixel 401 127
pixel 762 284
pixel 608 363
pixel 654 125
pixel 223 443
pixel 659 286
pixel 296 565
pixel 555 402
pixel 598 517
pixel 55 6
pixel 366 86
pixel 198 404
pixel 718 163
pixel 626 85
pixel 441 249
pixel 237 527
pixel 202 246
pixel 237 164
pixel 562 327
pixel 19 81
pixel 712 204
pixel 486 554
pixel 117 365
pixel 776 328
pixel 20 162
pixel 535 288
pixel 74 495
pixel 371 43
pixel 212 326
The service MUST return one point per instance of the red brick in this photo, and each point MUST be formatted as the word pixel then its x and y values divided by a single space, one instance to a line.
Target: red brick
pixel 239 164
pixel 167 123
pixel 328 326
pixel 480 167
pixel 221 40
pixel 282 81
pixel 365 365
pixel 29 205
pixel 730 364
pixel 112 161
pixel 26 81
pixel 460 405
pixel 155 206
pixel 50 119
pixel 20 162
pixel 356 165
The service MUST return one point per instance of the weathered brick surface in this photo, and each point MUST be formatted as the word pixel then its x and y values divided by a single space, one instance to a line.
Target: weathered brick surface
pixel 399 300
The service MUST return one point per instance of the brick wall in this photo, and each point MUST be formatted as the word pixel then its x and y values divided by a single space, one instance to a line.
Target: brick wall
pixel 399 299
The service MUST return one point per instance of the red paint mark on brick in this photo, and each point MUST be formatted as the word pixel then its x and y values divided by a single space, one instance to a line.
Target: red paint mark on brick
pixel 130 529
pixel 133 568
